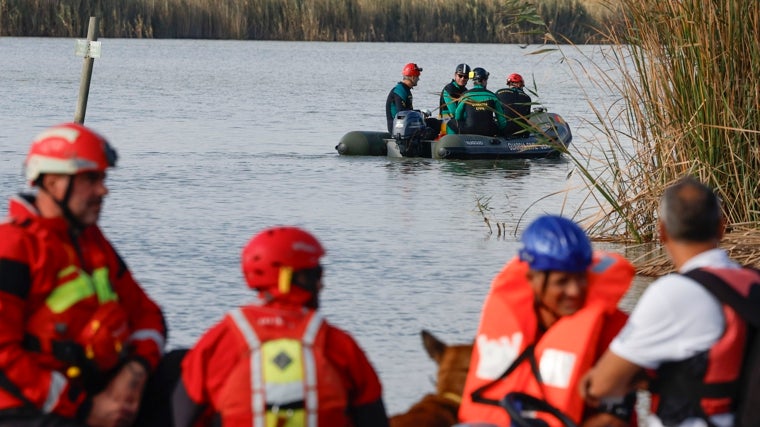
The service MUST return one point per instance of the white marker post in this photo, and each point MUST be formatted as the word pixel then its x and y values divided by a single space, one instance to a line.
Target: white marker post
pixel 89 49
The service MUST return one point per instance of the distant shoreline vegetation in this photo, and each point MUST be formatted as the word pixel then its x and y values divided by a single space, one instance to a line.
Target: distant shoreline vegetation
pixel 465 21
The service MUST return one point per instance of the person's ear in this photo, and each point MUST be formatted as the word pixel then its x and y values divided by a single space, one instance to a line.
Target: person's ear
pixel 54 184
pixel 536 280
pixel 663 233
pixel 722 227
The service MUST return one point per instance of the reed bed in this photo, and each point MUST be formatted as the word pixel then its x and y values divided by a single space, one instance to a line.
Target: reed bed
pixel 471 21
pixel 689 103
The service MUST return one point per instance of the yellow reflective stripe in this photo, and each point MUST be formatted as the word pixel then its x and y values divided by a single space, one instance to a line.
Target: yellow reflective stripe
pixel 103 286
pixel 82 287
pixel 66 271
pixel 69 293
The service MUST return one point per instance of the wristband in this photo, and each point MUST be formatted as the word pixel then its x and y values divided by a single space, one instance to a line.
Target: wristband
pixel 620 408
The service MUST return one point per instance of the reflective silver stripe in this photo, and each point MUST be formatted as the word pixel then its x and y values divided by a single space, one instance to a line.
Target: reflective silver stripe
pixel 149 334
pixel 281 394
pixel 57 385
pixel 254 345
pixel 311 402
pixel 257 390
pixel 310 334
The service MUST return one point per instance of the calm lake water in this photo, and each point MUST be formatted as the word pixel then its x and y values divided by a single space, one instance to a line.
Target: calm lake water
pixel 219 139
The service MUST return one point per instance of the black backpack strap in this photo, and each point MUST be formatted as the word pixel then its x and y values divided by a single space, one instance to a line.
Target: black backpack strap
pixel 746 307
pixel 7 385
pixel 746 388
pixel 527 354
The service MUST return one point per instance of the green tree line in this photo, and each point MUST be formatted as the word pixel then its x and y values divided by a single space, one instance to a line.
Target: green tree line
pixel 466 21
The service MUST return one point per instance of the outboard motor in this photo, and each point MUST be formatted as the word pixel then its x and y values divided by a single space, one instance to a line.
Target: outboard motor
pixel 408 131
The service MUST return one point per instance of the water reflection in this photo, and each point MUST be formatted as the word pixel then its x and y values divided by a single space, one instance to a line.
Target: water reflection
pixel 409 166
pixel 511 168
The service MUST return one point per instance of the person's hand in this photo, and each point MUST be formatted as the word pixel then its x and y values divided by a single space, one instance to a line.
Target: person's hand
pixel 117 405
pixel 583 388
pixel 604 420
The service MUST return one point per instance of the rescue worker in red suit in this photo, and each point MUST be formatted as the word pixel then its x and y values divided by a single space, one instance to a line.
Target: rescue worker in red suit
pixel 78 336
pixel 549 315
pixel 679 332
pixel 279 363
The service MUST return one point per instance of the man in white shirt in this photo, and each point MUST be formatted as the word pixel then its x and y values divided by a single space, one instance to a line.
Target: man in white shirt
pixel 675 325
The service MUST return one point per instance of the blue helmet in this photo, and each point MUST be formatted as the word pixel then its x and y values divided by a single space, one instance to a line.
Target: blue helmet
pixel 555 243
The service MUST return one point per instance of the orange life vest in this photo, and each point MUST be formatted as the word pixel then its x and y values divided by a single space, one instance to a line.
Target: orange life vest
pixel 509 326
pixel 283 379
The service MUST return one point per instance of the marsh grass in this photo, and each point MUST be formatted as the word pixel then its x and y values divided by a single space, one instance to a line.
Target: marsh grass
pixel 689 104
pixel 471 21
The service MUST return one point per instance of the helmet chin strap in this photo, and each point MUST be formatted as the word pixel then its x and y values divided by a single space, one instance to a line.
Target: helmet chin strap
pixel 63 204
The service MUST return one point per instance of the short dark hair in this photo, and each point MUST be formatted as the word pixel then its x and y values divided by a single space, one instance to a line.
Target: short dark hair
pixel 690 211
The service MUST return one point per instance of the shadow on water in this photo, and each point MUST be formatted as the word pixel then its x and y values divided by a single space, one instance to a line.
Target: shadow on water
pixel 509 168
pixel 410 166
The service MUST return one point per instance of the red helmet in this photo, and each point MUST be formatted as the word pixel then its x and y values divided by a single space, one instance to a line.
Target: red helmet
pixel 515 79
pixel 411 70
pixel 272 257
pixel 68 149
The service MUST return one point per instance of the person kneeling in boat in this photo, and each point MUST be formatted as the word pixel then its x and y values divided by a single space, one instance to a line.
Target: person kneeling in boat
pixel 549 315
pixel 279 362
pixel 479 110
pixel 516 104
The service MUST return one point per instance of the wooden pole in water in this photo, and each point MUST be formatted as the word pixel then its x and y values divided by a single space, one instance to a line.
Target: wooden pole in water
pixel 84 85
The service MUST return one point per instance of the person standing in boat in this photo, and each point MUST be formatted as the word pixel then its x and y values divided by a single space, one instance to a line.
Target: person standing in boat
pixel 679 329
pixel 400 97
pixel 479 110
pixel 453 91
pixel 549 315
pixel 79 338
pixel 516 104
pixel 279 362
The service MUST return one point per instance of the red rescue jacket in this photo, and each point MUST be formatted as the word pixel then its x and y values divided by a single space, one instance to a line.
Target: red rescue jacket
pixel 566 350
pixel 279 364
pixel 70 312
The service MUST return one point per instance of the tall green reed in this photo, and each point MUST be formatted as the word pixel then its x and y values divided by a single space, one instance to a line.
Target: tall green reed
pixel 689 103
